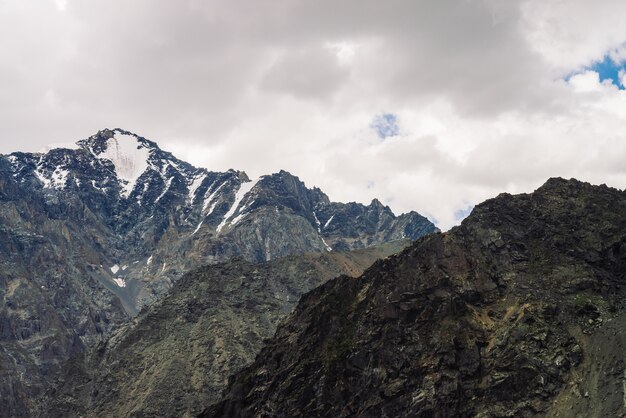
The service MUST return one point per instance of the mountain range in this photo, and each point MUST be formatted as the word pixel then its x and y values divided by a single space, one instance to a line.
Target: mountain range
pixel 134 284
pixel 90 236
pixel 517 312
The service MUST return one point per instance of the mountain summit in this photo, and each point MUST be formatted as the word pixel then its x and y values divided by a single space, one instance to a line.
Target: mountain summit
pixel 91 235
pixel 129 154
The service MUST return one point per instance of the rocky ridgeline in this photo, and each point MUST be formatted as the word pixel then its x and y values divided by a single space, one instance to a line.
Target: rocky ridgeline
pixel 89 236
pixel 517 312
pixel 176 356
pixel 152 217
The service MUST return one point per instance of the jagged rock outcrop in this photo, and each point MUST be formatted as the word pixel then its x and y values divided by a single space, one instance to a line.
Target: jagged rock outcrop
pixel 179 352
pixel 517 312
pixel 89 236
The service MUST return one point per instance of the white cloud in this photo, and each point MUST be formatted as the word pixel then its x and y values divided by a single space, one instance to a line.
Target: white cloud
pixel 345 51
pixel 587 81
pixel 622 78
pixel 478 87
pixel 618 55
pixel 571 34
pixel 61 4
pixel 306 73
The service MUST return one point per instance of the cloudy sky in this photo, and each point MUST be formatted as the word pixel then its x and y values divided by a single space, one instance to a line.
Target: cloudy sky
pixel 428 105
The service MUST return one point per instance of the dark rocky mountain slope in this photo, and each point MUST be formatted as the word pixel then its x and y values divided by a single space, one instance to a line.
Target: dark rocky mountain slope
pixel 520 311
pixel 89 236
pixel 178 353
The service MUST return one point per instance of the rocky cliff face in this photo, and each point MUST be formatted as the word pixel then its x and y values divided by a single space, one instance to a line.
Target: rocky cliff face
pixel 517 312
pixel 89 236
pixel 178 353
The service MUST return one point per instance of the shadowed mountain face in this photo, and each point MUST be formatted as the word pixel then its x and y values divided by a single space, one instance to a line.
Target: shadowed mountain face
pixel 517 312
pixel 176 356
pixel 89 236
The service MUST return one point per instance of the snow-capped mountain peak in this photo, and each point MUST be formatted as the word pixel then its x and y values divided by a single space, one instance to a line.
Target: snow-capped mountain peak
pixel 130 203
pixel 132 156
pixel 134 182
pixel 98 142
pixel 129 156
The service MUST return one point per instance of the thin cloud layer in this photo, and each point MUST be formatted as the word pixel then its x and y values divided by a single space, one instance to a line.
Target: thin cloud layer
pixel 485 96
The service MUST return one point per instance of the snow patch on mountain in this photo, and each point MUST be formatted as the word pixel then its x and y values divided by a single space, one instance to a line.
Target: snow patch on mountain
pixel 59 177
pixel 129 157
pixel 317 221
pixel 319 231
pixel 95 186
pixel 242 213
pixel 195 184
pixel 244 188
pixel 57 180
pixel 120 282
pixel 208 200
pixel 168 184
pixel 45 181
pixel 206 203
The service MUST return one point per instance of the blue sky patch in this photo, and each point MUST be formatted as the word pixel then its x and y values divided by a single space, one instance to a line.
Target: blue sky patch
pixel 385 125
pixel 609 70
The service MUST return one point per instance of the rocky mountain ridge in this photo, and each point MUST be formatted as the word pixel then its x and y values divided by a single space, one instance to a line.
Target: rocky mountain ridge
pixel 179 352
pixel 89 236
pixel 143 195
pixel 517 312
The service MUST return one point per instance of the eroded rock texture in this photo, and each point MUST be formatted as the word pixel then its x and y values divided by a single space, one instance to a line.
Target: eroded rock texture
pixel 517 312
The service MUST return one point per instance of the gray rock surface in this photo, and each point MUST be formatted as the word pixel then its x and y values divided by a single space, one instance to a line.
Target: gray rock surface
pixel 177 355
pixel 89 236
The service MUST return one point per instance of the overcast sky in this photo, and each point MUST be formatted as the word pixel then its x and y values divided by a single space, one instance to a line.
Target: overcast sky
pixel 431 106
